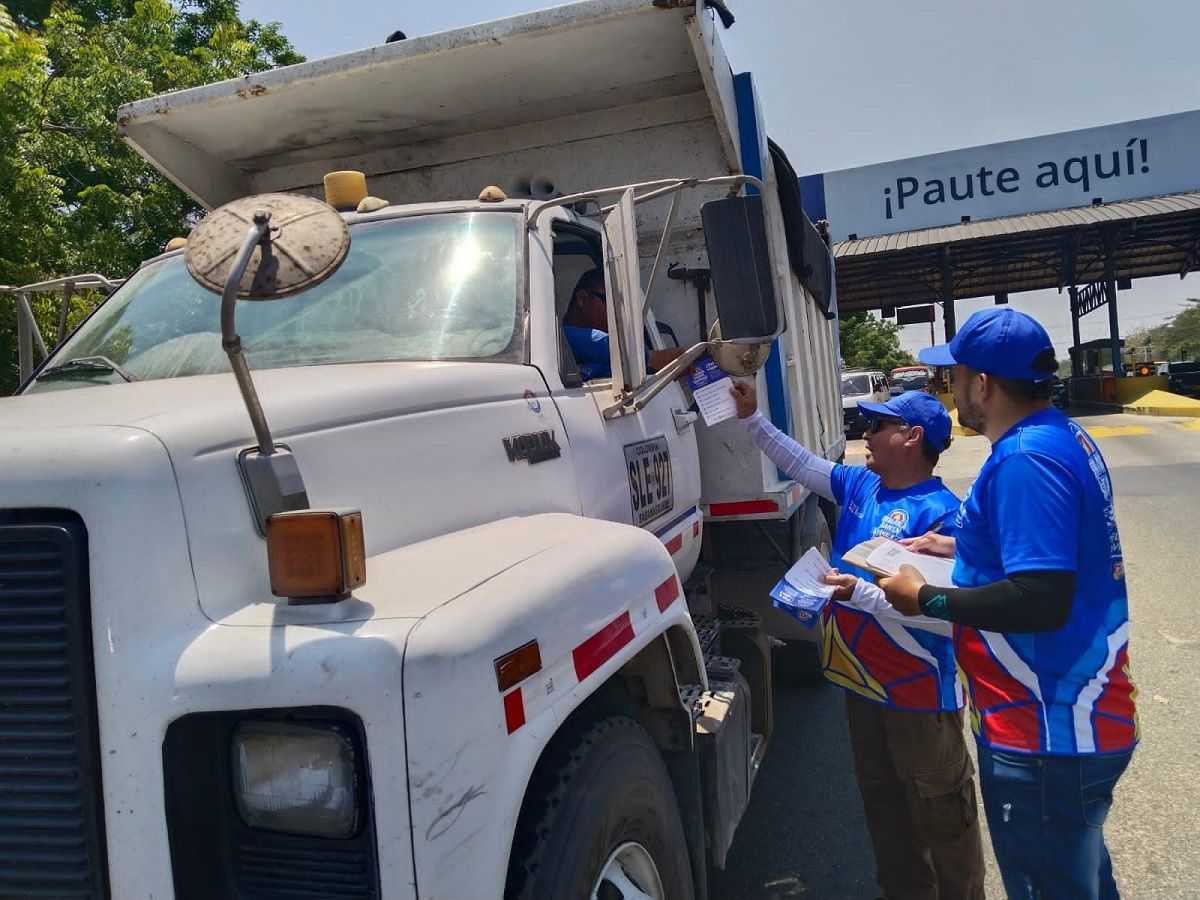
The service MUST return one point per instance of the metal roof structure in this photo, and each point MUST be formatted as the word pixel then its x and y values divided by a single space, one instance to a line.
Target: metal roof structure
pixel 1155 236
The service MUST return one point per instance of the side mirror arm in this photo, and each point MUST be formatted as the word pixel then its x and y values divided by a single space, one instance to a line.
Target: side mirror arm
pixel 231 342
pixel 653 386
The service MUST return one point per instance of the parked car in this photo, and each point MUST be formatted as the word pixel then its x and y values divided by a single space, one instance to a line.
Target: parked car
pixel 861 384
pixel 1183 377
pixel 1058 393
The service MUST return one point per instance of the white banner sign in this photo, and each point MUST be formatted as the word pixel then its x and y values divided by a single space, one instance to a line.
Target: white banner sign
pixel 1128 161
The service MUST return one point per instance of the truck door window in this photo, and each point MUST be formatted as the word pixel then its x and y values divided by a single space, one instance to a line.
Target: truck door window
pixel 432 287
pixel 576 250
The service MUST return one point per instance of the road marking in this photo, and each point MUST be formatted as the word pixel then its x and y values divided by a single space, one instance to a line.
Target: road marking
pixel 1100 431
pixel 1188 426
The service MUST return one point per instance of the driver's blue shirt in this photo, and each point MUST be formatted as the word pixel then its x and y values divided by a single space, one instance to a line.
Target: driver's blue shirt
pixel 590 346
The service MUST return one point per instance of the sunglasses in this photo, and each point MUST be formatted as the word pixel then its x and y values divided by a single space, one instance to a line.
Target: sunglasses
pixel 878 422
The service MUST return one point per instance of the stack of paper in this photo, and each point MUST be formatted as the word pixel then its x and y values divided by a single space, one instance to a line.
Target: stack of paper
pixel 801 594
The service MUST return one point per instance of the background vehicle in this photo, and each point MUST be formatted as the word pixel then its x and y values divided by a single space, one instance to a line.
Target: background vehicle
pixel 520 646
pixel 1182 377
pixel 861 384
pixel 910 378
pixel 1059 394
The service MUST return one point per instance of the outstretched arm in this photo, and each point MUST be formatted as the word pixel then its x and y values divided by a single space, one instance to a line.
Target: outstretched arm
pixel 791 457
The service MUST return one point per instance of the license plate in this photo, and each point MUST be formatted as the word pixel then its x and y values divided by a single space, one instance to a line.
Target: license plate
pixel 650 486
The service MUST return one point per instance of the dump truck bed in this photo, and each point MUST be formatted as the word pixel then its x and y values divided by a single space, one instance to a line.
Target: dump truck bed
pixel 416 114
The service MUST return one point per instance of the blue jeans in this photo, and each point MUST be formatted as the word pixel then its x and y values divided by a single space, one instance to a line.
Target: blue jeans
pixel 1046 817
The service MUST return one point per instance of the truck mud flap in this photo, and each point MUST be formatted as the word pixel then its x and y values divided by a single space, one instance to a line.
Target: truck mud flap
pixel 732 719
pixel 726 747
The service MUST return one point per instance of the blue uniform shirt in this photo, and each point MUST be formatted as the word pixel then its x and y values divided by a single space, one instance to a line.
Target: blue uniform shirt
pixel 882 659
pixel 590 347
pixel 1043 501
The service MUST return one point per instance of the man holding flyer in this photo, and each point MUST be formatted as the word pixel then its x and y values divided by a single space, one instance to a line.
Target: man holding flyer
pixel 903 701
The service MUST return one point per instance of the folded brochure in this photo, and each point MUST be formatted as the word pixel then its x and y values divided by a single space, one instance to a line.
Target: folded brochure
pixel 710 388
pixel 801 594
pixel 884 556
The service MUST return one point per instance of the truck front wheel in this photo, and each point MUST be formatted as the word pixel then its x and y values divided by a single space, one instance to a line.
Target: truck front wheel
pixel 600 820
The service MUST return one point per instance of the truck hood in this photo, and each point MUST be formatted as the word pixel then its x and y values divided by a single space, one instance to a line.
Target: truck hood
pixel 210 405
pixel 418 447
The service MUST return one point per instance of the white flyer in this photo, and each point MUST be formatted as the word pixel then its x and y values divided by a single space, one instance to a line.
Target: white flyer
pixel 710 386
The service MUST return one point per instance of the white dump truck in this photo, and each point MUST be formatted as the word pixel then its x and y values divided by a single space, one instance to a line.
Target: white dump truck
pixel 325 573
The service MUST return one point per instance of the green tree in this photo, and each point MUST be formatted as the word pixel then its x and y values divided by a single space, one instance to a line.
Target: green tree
pixel 1177 339
pixel 73 197
pixel 871 343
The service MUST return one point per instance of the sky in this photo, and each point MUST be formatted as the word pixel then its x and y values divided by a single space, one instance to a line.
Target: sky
pixel 856 82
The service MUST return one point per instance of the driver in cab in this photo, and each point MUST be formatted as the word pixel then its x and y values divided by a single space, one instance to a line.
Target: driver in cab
pixel 585 326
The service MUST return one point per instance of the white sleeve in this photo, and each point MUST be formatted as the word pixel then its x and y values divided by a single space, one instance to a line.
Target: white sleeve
pixel 870 598
pixel 796 460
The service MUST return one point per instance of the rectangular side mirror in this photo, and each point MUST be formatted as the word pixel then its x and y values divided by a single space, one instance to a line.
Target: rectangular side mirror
pixel 735 232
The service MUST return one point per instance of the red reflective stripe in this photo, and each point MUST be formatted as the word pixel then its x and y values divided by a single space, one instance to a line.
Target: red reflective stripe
pixel 742 507
pixel 666 593
pixel 675 544
pixel 695 529
pixel 514 710
pixel 600 647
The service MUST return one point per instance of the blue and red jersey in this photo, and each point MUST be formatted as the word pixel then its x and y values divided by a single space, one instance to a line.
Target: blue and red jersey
pixel 1043 502
pixel 880 658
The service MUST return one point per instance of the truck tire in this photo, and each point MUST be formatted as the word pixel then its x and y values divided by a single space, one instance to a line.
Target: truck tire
pixel 600 819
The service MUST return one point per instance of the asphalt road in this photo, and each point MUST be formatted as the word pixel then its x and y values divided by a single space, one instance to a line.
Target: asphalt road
pixel 804 834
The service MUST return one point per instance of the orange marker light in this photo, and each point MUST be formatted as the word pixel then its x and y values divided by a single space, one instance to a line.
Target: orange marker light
pixel 517 665
pixel 316 554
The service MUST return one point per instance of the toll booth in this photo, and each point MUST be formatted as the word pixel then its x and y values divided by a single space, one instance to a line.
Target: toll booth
pixel 1093 379
pixel 1095 382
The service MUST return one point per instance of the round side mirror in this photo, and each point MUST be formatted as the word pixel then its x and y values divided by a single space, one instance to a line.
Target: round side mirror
pixel 737 359
pixel 307 241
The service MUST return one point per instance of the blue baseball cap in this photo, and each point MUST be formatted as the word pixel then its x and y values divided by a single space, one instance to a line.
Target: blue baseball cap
pixel 916 408
pixel 1001 342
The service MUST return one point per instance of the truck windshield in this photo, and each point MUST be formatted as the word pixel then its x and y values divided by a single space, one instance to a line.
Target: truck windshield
pixel 431 287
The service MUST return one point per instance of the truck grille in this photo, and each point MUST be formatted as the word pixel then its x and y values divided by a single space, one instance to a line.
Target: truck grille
pixel 51 830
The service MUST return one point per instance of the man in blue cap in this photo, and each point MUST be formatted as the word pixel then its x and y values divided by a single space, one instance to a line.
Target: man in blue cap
pixel 904 705
pixel 1039 613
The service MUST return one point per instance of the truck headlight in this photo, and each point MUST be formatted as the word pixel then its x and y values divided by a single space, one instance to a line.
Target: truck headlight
pixel 299 779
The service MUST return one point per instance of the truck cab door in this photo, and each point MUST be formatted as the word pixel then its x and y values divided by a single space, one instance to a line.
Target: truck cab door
pixel 642 468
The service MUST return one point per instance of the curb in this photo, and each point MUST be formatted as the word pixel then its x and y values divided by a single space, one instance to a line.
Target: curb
pixel 1160 411
pixel 1164 411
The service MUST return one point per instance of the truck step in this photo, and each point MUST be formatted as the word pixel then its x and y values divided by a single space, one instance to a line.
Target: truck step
pixel 695 698
pixel 737 617
pixel 707 630
pixel 720 668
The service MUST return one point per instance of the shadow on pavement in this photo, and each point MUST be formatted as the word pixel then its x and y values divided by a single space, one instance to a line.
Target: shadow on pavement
pixel 804 834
